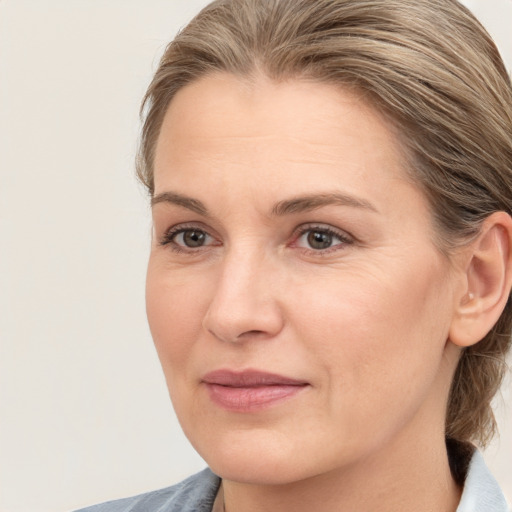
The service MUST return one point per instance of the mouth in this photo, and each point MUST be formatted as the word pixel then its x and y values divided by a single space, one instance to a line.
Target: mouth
pixel 250 390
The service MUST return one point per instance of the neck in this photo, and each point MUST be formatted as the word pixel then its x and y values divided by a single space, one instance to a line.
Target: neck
pixel 392 481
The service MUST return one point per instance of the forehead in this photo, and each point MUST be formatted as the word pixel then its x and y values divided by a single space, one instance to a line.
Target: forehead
pixel 261 105
pixel 270 139
pixel 222 110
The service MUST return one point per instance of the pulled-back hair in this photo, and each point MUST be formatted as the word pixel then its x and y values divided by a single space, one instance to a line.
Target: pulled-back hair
pixel 435 73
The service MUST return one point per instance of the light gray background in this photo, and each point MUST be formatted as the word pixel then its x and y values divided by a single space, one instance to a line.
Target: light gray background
pixel 84 412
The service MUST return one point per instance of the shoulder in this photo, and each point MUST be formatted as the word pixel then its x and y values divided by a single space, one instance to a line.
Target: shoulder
pixel 195 494
pixel 481 491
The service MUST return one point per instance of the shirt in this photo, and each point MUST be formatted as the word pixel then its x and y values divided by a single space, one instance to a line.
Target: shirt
pixel 197 493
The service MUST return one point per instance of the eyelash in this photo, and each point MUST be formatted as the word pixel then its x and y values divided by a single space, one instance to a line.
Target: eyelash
pixel 169 238
pixel 343 237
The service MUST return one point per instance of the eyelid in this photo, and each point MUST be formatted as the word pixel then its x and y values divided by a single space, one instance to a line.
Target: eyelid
pixel 167 239
pixel 342 235
pixel 169 235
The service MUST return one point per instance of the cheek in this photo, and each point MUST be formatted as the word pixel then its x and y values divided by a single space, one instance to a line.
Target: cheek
pixel 174 309
pixel 374 334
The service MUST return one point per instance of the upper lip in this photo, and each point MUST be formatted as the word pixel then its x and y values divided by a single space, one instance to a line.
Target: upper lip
pixel 249 378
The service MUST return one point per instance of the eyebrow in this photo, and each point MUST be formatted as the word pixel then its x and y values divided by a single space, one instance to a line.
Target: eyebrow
pixel 286 207
pixel 180 200
pixel 315 201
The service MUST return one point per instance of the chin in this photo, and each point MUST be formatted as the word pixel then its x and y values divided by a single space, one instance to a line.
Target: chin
pixel 266 458
pixel 259 470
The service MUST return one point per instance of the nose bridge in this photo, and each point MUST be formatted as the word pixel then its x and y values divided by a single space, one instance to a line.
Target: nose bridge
pixel 244 302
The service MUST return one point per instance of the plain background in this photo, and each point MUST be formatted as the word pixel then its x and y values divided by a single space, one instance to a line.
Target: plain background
pixel 84 412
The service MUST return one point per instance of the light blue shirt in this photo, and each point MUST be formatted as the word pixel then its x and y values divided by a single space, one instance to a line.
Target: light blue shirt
pixel 196 494
pixel 481 491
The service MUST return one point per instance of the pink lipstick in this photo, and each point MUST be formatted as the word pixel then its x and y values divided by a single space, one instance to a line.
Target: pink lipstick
pixel 250 390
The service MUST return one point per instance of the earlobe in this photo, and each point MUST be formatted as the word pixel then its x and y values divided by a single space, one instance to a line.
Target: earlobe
pixel 488 281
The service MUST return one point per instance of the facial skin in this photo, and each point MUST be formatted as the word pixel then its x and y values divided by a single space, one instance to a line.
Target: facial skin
pixel 350 297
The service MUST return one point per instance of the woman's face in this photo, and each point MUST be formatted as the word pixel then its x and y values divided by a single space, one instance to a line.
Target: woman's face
pixel 297 302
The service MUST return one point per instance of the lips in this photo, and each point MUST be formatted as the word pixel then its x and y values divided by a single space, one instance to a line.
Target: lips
pixel 250 390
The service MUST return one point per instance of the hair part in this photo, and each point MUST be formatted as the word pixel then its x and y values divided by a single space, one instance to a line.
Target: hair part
pixel 434 72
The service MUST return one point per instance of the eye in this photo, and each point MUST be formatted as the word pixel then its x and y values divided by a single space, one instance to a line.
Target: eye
pixel 321 238
pixel 183 238
pixel 191 238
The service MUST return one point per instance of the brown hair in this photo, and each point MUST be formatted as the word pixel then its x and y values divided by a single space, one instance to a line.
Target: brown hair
pixel 432 68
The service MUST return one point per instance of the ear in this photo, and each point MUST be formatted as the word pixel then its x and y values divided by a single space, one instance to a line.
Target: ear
pixel 488 275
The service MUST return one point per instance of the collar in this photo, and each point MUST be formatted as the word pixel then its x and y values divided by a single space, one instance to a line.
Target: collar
pixel 481 491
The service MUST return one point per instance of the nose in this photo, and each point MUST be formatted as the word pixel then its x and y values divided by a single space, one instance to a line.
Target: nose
pixel 245 304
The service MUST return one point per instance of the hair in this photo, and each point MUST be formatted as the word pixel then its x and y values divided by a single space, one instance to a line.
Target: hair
pixel 435 73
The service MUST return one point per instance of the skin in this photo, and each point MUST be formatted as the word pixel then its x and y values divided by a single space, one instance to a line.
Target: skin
pixel 365 322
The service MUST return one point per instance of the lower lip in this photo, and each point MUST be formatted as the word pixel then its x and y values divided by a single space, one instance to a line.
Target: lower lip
pixel 247 399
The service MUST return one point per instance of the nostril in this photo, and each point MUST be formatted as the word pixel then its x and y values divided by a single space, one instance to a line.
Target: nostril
pixel 251 334
pixel 239 337
pixel 236 315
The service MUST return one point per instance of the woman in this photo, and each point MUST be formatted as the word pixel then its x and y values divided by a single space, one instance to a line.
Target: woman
pixel 329 281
